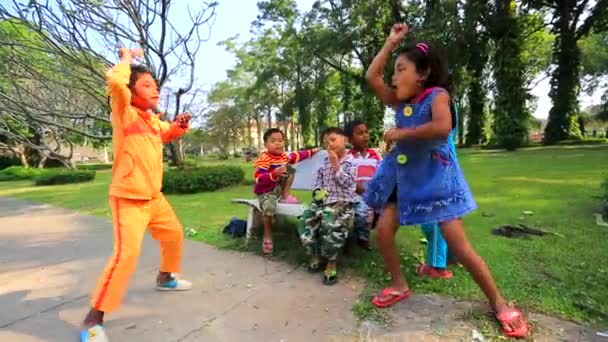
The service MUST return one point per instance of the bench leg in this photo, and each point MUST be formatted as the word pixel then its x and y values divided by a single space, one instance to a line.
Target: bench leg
pixel 249 223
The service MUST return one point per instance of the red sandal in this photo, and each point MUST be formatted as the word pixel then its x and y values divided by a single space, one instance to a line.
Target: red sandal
pixel 432 272
pixel 508 316
pixel 393 295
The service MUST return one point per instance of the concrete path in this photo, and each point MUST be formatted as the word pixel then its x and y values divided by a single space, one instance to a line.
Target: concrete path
pixel 51 258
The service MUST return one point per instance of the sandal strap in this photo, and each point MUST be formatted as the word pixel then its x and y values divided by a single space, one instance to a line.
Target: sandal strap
pixel 389 291
pixel 509 315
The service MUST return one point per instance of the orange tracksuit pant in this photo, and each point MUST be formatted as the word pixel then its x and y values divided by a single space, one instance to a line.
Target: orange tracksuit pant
pixel 131 219
pixel 135 197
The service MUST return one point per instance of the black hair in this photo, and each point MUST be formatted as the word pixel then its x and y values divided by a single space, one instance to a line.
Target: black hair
pixel 349 128
pixel 429 57
pixel 332 130
pixel 272 131
pixel 136 71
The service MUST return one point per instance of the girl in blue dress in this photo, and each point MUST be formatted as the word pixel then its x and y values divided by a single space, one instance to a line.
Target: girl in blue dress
pixel 420 180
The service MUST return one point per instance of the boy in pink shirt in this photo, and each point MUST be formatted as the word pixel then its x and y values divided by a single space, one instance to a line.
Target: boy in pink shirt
pixel 367 161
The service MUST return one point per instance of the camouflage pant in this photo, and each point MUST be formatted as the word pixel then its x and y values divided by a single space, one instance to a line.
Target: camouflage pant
pixel 268 201
pixel 324 229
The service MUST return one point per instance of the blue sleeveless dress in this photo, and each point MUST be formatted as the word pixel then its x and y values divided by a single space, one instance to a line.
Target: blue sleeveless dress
pixel 429 182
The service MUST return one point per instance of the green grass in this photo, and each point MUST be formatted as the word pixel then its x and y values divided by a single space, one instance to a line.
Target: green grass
pixel 565 277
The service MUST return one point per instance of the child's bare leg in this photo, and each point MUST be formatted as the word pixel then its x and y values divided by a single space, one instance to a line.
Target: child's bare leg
pixel 93 318
pixel 287 185
pixel 331 265
pixel 387 228
pixel 267 227
pixel 455 236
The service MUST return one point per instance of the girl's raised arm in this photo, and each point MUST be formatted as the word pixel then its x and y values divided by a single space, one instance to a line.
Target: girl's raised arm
pixel 375 73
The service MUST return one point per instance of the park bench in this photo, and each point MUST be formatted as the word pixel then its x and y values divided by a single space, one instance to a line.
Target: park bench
pixel 305 172
pixel 255 218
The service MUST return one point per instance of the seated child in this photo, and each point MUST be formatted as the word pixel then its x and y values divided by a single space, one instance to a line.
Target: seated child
pixel 367 160
pixel 274 177
pixel 324 226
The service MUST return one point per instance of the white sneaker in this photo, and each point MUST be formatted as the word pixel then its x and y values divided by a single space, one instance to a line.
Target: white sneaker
pixel 175 284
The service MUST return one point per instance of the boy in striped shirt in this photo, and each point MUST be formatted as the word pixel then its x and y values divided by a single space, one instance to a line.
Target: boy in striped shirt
pixel 367 161
pixel 273 179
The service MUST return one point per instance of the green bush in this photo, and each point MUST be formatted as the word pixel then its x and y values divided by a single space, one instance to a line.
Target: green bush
pixel 8 161
pixel 56 177
pixel 15 173
pixel 208 178
pixel 94 167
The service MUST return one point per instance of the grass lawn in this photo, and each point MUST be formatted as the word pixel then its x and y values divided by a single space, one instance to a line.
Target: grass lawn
pixel 563 276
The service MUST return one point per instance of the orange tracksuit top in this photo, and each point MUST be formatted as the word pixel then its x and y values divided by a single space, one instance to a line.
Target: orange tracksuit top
pixel 138 138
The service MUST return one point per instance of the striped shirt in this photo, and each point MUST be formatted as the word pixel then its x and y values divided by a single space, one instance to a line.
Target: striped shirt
pixel 367 163
pixel 264 180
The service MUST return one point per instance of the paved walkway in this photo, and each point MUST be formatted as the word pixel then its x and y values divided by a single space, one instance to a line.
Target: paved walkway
pixel 50 259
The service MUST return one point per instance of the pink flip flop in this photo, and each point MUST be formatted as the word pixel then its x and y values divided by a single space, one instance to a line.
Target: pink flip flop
pixel 394 297
pixel 511 315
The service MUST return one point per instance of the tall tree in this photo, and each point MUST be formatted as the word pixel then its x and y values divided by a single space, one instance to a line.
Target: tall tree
pixel 510 113
pixel 43 113
pixel 476 49
pixel 345 35
pixel 80 32
pixel 594 49
pixel 571 21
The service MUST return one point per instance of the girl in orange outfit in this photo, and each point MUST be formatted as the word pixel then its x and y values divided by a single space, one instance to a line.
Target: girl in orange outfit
pixel 135 198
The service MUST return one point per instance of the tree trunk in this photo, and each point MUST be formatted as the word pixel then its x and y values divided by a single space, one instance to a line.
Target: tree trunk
pixel 23 157
pixel 106 156
pixel 249 137
pixel 476 45
pixel 301 98
pixel 269 116
pixel 510 121
pixel 373 114
pixel 292 135
pixel 476 120
pixel 299 138
pixel 180 149
pixel 562 122
pixel 286 132
pixel 258 127
pixel 460 129
pixel 42 162
pixel 175 157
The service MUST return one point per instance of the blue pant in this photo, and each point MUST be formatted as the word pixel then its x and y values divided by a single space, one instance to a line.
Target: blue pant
pixel 362 226
pixel 438 254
